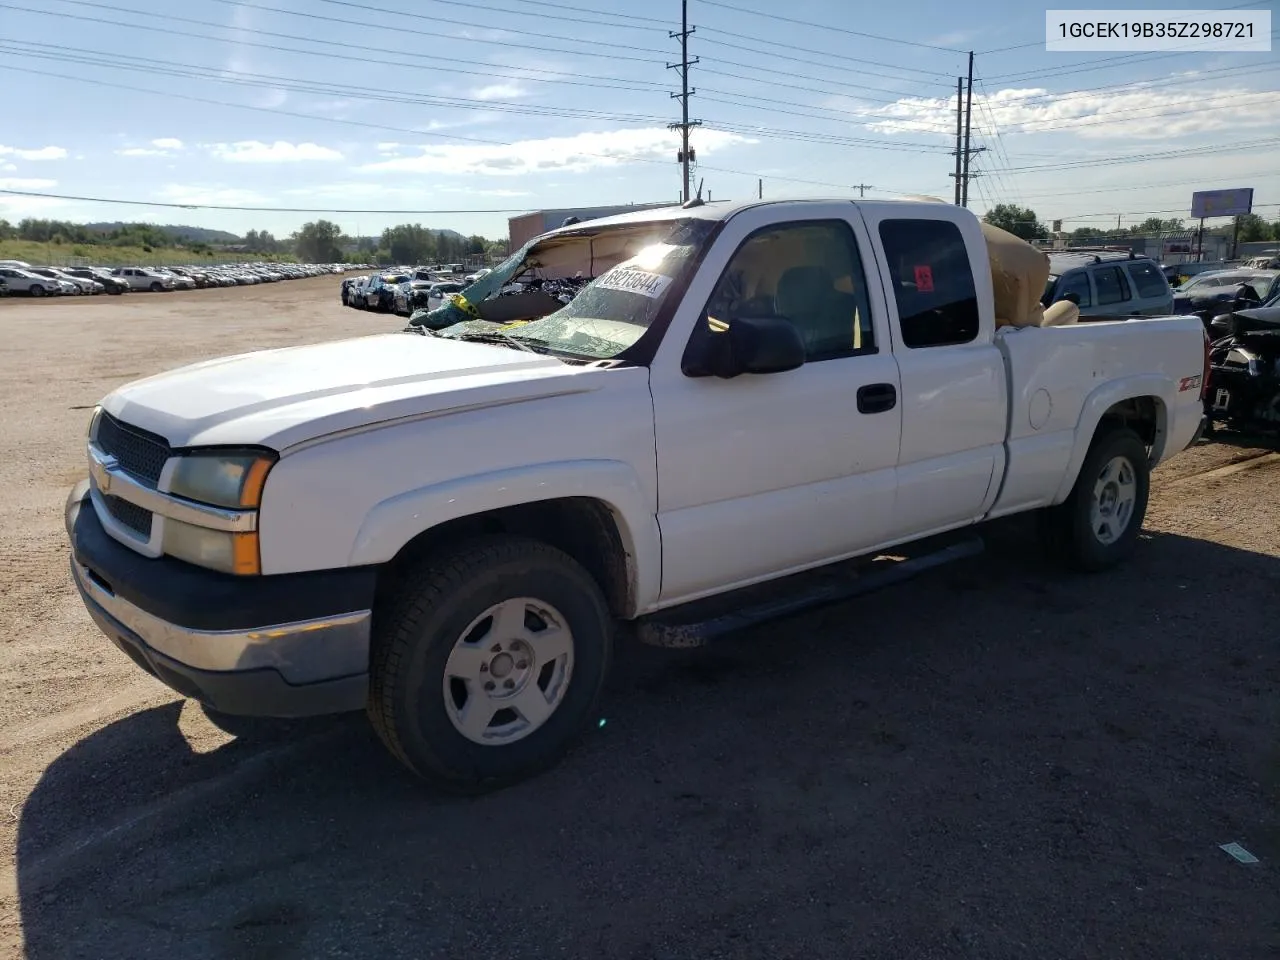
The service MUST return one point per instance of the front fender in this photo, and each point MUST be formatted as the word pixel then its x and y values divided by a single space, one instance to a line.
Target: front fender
pixel 397 520
pixel 1101 400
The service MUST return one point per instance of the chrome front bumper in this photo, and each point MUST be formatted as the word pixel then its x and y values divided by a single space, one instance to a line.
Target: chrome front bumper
pixel 288 669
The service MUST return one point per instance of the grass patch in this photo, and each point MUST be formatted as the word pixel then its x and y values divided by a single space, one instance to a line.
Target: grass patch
pixel 105 255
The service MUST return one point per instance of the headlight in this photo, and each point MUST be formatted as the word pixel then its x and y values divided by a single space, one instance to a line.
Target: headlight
pixel 232 480
pixel 235 553
pixel 94 419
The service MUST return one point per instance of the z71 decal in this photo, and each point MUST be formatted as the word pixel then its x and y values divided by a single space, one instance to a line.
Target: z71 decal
pixel 1190 383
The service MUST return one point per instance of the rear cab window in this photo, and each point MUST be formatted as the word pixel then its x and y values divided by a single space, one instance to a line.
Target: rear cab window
pixel 932 282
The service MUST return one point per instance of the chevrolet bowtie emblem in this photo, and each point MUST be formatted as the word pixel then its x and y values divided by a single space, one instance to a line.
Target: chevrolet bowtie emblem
pixel 100 470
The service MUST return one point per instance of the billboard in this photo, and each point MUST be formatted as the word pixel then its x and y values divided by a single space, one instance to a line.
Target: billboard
pixel 1221 203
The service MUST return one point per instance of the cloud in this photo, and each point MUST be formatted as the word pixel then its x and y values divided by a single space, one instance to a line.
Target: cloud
pixel 142 152
pixel 26 183
pixel 43 153
pixel 7 168
pixel 255 151
pixel 498 91
pixel 167 143
pixel 953 39
pixel 584 151
pixel 1139 111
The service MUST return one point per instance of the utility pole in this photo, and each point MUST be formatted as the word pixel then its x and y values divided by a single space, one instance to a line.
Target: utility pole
pixel 685 156
pixel 959 133
pixel 760 189
pixel 862 189
pixel 968 122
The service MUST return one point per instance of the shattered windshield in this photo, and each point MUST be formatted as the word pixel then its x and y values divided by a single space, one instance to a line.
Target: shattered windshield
pixel 613 311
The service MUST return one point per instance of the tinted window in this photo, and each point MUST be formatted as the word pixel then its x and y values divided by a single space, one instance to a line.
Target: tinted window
pixel 932 282
pixel 1147 278
pixel 811 274
pixel 1077 283
pixel 1110 285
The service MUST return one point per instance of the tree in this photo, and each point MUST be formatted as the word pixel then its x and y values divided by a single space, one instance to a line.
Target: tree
pixel 1156 225
pixel 6 230
pixel 1253 228
pixel 409 243
pixel 318 242
pixel 1020 221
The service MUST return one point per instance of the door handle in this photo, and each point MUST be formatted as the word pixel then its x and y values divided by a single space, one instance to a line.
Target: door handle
pixel 877 398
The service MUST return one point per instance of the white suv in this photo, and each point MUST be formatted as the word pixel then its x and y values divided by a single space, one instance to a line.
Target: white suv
pixel 139 278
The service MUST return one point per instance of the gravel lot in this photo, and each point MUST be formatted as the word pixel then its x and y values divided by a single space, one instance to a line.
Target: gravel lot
pixel 991 761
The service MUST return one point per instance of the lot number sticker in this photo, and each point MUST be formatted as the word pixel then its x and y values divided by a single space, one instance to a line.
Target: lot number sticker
pixel 631 280
pixel 924 279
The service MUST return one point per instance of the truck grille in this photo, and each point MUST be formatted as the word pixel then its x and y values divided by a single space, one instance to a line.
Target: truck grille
pixel 138 452
pixel 130 515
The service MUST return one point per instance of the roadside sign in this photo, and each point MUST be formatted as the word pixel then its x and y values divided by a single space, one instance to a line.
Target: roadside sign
pixel 1221 203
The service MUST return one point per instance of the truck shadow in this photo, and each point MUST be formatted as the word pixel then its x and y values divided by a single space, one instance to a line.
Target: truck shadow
pixel 992 739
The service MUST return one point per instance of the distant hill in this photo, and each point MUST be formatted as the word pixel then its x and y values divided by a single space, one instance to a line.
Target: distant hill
pixel 177 231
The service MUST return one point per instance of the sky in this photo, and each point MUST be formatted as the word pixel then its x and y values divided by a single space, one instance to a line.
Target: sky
pixel 462 113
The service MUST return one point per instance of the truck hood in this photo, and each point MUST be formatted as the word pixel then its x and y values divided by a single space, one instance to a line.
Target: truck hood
pixel 280 398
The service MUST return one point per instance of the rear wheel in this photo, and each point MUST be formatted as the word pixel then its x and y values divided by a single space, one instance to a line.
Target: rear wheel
pixel 488 663
pixel 1098 524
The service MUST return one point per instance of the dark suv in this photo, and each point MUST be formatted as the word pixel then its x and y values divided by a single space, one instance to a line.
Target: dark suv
pixel 1109 284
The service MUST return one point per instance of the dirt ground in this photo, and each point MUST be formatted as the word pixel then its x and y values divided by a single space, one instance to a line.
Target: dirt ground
pixel 991 761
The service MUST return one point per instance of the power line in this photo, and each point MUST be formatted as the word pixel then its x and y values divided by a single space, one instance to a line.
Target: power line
pixel 269 81
pixel 240 209
pixel 826 27
pixel 145 14
pixel 1168 154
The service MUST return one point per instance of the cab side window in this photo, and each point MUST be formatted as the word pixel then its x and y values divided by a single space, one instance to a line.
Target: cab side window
pixel 932 282
pixel 809 273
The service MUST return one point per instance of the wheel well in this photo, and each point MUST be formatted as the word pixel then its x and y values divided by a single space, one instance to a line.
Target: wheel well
pixel 582 527
pixel 1145 416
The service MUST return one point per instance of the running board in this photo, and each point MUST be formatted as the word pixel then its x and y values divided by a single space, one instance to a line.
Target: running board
pixel 684 627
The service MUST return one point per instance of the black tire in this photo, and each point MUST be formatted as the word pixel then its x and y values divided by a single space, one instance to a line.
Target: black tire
pixel 36 290
pixel 1067 530
pixel 157 287
pixel 417 628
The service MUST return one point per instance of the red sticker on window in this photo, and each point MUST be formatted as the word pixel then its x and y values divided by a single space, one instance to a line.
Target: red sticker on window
pixel 924 279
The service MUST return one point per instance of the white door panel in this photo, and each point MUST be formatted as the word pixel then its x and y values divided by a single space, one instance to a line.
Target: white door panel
pixel 762 474
pixel 954 394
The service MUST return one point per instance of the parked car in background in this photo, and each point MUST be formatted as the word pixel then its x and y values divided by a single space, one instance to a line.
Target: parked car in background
pixel 4 288
pixel 1224 291
pixel 355 296
pixel 1108 285
pixel 65 284
pixel 379 293
pixel 410 296
pixel 442 291
pixel 179 281
pixel 142 278
pixel 33 284
pixel 87 285
pixel 110 284
pixel 347 284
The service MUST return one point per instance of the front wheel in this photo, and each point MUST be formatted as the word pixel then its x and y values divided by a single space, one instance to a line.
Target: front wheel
pixel 488 663
pixel 36 290
pixel 157 287
pixel 1097 526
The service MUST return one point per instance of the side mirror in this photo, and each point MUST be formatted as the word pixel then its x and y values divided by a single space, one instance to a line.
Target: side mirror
pixel 755 345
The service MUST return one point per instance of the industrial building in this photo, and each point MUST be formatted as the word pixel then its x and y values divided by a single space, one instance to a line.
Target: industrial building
pixel 522 229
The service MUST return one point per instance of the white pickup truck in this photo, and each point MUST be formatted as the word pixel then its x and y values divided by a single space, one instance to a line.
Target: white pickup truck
pixel 446 528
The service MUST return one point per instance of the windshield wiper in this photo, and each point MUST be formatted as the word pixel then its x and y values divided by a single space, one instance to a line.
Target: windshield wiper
pixel 496 336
